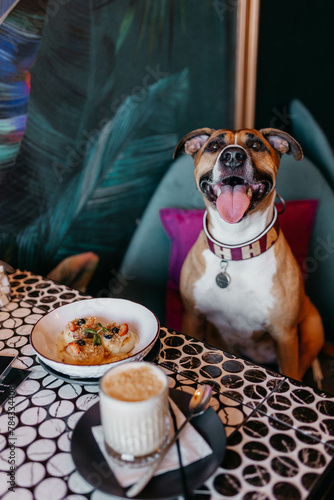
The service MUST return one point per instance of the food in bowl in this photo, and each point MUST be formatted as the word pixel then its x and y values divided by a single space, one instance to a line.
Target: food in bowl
pixel 85 341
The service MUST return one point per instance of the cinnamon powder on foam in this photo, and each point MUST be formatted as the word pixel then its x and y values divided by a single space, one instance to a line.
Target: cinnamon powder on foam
pixel 134 384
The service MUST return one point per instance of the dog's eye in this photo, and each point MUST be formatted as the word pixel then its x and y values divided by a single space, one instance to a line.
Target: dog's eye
pixel 212 147
pixel 256 145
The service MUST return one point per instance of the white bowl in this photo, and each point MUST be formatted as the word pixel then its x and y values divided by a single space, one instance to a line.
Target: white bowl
pixel 45 333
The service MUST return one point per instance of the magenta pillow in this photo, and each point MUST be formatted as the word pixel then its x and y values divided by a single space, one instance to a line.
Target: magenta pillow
pixel 184 226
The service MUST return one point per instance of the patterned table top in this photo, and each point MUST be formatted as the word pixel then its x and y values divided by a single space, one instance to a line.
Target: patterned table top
pixel 280 433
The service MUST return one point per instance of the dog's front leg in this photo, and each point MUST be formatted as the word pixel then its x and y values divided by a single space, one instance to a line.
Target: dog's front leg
pixel 194 324
pixel 287 351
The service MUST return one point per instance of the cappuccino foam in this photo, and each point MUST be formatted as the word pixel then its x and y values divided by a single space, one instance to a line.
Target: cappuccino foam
pixel 133 384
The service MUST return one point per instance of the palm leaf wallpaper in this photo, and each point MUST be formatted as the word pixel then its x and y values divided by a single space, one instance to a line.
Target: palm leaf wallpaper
pixel 94 97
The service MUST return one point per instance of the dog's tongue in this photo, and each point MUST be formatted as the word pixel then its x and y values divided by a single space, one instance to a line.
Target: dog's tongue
pixel 232 203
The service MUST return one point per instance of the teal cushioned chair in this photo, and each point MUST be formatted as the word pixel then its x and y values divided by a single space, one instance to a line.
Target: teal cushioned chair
pixel 313 140
pixel 145 265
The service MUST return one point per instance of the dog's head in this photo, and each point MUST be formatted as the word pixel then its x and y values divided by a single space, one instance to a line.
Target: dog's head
pixel 236 170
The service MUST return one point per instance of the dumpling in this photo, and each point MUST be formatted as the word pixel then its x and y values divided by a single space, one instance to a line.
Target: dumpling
pixel 83 352
pixel 75 330
pixel 119 341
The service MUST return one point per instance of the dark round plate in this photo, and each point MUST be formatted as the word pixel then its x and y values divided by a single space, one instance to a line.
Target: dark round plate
pixel 95 381
pixel 92 466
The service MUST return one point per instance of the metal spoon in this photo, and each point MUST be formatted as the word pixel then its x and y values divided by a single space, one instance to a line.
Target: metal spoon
pixel 199 402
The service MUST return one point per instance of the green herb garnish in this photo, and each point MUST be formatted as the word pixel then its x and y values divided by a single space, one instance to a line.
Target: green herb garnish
pixel 97 339
pixel 89 330
pixel 103 327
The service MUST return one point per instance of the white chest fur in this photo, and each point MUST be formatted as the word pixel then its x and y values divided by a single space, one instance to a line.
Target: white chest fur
pixel 243 307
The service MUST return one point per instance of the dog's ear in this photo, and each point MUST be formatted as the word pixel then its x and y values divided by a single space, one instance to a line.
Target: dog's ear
pixel 191 143
pixel 283 142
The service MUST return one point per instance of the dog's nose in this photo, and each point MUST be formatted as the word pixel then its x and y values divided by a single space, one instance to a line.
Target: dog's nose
pixel 233 157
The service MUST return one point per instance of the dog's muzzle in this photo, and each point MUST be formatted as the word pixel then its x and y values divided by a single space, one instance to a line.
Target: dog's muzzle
pixel 233 157
pixel 235 186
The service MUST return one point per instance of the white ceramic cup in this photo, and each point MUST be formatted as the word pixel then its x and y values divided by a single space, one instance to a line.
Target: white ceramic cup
pixel 134 412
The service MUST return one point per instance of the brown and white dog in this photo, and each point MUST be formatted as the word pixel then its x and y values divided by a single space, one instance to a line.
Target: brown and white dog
pixel 240 280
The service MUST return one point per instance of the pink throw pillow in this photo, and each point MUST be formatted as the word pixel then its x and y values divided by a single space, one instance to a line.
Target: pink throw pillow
pixel 184 226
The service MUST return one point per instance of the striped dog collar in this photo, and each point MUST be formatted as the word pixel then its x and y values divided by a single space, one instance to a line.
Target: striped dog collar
pixel 247 250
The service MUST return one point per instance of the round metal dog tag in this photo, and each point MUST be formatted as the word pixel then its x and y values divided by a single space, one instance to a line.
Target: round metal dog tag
pixel 223 280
